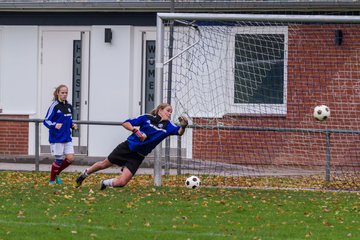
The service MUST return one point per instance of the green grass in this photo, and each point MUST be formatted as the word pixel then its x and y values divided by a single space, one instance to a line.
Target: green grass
pixel 31 209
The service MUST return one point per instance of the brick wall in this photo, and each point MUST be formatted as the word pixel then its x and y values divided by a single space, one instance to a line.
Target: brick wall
pixel 14 136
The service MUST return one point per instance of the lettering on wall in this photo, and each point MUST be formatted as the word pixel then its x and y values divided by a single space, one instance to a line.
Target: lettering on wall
pixel 76 98
pixel 150 76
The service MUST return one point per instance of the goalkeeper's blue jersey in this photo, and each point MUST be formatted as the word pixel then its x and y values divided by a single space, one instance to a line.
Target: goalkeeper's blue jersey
pixel 155 130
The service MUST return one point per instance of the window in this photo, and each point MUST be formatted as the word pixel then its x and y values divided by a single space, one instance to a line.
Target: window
pixel 260 74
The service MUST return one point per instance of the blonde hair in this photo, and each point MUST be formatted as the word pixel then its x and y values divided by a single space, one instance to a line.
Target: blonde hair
pixel 161 106
pixel 57 90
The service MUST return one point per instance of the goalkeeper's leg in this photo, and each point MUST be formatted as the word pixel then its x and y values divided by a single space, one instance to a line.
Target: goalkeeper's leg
pixel 94 168
pixel 121 181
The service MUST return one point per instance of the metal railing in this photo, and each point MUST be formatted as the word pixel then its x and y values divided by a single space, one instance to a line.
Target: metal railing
pixel 327 133
pixel 37 123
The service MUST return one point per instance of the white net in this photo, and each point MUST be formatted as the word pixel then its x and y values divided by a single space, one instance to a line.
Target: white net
pixel 249 90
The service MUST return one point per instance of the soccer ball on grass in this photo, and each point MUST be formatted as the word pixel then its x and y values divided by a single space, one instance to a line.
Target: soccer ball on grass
pixel 192 182
pixel 321 112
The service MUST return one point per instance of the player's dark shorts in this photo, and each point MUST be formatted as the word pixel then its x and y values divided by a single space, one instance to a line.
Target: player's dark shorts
pixel 123 157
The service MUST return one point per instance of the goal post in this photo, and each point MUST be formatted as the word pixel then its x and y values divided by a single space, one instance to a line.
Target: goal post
pixel 249 83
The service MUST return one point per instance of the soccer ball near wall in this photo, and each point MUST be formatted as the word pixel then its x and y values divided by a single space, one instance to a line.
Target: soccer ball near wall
pixel 321 112
pixel 192 182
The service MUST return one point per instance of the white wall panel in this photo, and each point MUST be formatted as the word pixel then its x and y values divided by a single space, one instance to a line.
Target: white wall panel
pixel 109 89
pixel 18 75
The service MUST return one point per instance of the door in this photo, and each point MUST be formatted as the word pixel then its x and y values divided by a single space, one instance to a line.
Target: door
pixel 64 59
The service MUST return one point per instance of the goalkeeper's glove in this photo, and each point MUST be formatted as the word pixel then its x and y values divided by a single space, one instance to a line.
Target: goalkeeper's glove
pixel 142 136
pixel 183 122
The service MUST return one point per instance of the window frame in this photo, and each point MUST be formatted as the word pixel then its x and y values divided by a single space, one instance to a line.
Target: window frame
pixel 257 108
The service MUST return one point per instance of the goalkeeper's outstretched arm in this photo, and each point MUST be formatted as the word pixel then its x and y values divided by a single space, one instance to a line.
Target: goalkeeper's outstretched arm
pixel 137 132
pixel 128 126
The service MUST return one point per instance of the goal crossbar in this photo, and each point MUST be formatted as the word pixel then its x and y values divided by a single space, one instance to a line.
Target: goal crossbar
pixel 260 17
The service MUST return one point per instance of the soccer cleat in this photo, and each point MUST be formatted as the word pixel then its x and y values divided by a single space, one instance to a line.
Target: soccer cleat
pixel 79 180
pixel 51 182
pixel 102 185
pixel 58 180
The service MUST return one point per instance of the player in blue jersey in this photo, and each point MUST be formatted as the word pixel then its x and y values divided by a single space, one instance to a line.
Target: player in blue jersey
pixel 58 120
pixel 148 131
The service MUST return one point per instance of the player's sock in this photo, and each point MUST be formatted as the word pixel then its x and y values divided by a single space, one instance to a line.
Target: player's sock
pixel 106 183
pixel 64 165
pixel 85 174
pixel 54 171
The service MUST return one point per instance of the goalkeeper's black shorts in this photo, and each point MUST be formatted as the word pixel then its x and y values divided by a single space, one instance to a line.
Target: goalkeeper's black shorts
pixel 123 157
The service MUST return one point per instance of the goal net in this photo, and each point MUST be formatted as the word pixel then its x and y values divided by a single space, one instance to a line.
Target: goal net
pixel 248 85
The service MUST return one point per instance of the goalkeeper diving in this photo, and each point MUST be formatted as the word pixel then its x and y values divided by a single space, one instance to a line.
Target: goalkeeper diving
pixel 148 131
